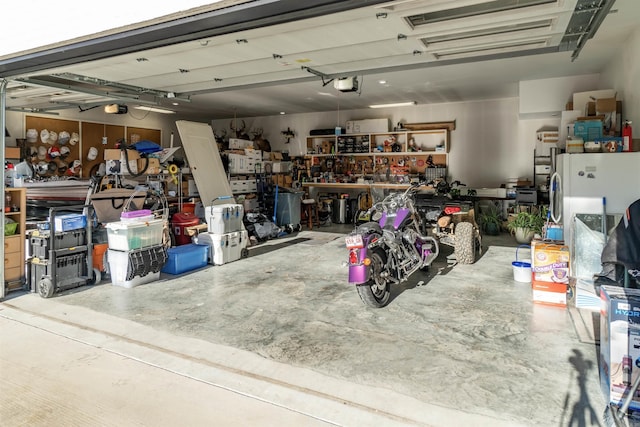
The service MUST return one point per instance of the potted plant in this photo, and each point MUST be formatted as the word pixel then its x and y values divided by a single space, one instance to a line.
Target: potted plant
pixel 525 225
pixel 491 221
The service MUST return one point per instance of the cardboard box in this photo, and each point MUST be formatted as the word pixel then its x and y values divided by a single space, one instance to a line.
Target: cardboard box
pixel 70 222
pixel 619 343
pixel 153 167
pixel 276 155
pixel 550 262
pixel 549 293
pixel 605 105
pixel 255 155
pixel 281 167
pixel 114 161
pixel 239 144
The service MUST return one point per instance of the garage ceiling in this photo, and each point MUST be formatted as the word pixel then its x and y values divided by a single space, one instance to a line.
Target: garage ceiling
pixel 255 58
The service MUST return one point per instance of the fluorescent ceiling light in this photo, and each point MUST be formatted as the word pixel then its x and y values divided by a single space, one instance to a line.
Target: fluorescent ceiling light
pixel 153 109
pixel 396 104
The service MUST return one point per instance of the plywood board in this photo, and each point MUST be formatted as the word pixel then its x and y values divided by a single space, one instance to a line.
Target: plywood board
pixel 92 136
pixel 204 159
pixel 57 125
pixel 153 135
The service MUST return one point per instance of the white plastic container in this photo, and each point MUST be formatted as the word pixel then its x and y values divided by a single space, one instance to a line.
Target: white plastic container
pixel 224 248
pixel 125 236
pixel 224 218
pixel 118 265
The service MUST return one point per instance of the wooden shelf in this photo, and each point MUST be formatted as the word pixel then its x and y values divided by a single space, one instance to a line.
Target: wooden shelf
pixel 14 245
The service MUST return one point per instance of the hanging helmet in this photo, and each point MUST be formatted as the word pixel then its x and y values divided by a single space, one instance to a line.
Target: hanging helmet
pixel 64 152
pixel 42 168
pixel 62 167
pixel 75 167
pixel 52 166
pixel 42 152
pixel 32 135
pixel 53 137
pixel 75 138
pixel 92 154
pixel 44 136
pixel 33 152
pixel 63 137
pixel 53 152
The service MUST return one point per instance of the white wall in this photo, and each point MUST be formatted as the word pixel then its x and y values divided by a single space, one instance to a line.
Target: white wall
pixel 551 95
pixel 489 146
pixel 623 75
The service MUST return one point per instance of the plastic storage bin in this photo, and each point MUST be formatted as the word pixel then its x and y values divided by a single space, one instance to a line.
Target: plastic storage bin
pixel 142 215
pixel 124 236
pixel 179 222
pixel 224 248
pixel 186 258
pixel 133 268
pixel 224 218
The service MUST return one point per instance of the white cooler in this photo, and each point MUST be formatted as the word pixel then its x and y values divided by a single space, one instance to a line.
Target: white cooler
pixel 225 218
pixel 224 248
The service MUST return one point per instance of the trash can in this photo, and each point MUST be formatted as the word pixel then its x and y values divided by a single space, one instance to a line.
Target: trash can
pixel 288 208
pixel 179 223
pixel 340 210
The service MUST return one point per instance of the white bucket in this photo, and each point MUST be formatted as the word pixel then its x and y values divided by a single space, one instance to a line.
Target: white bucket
pixel 521 269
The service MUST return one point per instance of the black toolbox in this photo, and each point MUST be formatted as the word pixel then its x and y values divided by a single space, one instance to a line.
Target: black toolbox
pixel 70 271
pixel 39 241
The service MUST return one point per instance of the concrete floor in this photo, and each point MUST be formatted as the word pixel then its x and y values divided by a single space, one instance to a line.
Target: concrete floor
pixel 281 339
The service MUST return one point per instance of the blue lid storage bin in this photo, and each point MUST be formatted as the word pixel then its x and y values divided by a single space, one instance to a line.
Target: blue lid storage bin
pixel 185 258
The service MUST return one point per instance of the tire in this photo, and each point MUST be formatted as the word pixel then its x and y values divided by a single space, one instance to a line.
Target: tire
pixel 46 288
pixel 464 243
pixel 377 291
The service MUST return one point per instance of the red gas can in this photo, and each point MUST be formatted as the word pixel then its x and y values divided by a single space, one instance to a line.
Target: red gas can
pixel 179 223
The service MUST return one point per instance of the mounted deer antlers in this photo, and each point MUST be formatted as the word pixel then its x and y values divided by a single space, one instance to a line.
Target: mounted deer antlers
pixel 239 133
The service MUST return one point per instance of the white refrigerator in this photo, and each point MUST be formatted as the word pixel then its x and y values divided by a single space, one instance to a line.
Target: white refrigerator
pixel 587 178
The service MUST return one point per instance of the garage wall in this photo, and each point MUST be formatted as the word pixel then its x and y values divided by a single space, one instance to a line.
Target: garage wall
pixel 490 144
pixel 623 75
pixel 141 119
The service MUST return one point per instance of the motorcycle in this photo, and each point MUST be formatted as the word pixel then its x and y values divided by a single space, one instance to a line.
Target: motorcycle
pixel 390 250
pixel 406 238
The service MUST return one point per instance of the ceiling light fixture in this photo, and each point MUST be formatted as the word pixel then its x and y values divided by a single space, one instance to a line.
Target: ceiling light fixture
pixel 382 82
pixel 154 110
pixel 395 104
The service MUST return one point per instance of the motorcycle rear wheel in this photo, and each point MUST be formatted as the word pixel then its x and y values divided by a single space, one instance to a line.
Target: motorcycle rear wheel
pixel 376 292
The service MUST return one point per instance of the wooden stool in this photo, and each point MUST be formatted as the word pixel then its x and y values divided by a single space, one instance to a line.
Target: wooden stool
pixel 310 209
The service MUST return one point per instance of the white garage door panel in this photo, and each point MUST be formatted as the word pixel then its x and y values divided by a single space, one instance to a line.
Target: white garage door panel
pixel 204 159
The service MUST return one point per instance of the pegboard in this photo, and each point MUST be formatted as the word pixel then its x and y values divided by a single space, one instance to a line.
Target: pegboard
pixel 56 125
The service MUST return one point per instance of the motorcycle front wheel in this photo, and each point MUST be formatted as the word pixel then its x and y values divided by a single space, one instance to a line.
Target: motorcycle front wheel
pixel 377 290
